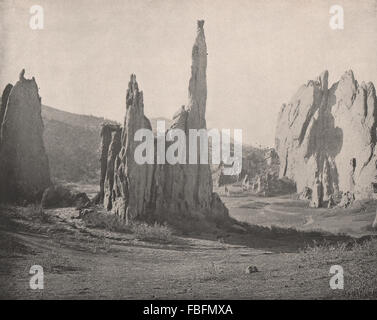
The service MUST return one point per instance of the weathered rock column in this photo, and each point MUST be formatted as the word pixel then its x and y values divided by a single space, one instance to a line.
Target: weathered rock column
pixel 147 191
pixel 24 169
pixel 106 136
pixel 188 188
pixel 132 181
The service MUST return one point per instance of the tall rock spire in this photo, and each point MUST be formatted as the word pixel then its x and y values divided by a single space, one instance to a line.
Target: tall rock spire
pixel 197 91
pixel 24 169
pixel 191 188
pixel 162 191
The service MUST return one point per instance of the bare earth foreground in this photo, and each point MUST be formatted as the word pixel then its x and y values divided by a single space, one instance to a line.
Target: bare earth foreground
pixel 81 261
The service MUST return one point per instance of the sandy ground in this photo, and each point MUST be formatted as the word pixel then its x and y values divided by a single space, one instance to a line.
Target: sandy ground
pixel 82 263
pixel 285 211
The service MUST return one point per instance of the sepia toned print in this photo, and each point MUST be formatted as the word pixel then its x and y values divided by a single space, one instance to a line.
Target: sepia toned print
pixel 188 150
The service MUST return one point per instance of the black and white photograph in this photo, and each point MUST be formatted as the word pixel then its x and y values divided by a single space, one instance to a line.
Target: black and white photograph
pixel 199 150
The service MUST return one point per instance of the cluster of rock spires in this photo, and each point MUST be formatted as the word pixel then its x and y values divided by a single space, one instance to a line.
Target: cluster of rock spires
pixel 326 140
pixel 24 168
pixel 135 191
pixel 259 175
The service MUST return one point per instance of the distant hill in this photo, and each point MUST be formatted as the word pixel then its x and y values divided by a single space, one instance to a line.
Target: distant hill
pixel 72 143
pixel 73 119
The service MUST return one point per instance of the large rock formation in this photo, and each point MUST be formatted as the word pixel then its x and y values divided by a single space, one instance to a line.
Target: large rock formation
pixel 136 191
pixel 326 139
pixel 107 132
pixel 24 169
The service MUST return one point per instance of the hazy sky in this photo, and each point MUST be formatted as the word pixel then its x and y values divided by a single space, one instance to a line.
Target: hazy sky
pixel 259 53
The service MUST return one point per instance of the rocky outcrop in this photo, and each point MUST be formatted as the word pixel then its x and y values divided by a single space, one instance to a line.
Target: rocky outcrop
pixel 24 169
pixel 4 100
pixel 220 178
pixel 129 192
pixel 188 188
pixel 326 139
pixel 107 135
pixel 158 190
pixel 269 184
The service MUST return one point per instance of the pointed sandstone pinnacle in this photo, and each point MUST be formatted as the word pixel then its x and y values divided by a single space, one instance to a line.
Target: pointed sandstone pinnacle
pixel 127 185
pixel 24 169
pixel 22 75
pixel 135 191
pixel 197 91
pixel 188 188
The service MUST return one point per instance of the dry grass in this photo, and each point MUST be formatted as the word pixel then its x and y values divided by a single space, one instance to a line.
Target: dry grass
pixel 141 231
pixel 359 261
pixel 356 249
pixel 105 221
pixel 155 232
pixel 33 212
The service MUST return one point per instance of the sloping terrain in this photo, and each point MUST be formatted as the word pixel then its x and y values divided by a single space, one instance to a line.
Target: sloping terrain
pixel 72 151
pixel 96 262
pixel 73 142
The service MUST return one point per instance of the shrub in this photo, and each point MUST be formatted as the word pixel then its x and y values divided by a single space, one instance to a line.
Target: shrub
pixel 34 212
pixel 141 230
pixel 144 231
pixel 105 221
pixel 58 196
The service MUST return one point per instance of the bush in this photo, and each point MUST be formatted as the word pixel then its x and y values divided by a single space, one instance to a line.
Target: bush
pixel 58 196
pixel 141 230
pixel 144 231
pixel 34 212
pixel 105 221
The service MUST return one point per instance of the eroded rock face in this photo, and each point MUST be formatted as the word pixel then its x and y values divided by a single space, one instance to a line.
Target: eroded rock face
pixel 188 188
pixel 326 138
pixel 4 100
pixel 107 134
pixel 135 191
pixel 24 169
pixel 269 184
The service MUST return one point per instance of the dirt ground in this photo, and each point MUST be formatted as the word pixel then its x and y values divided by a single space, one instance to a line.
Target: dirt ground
pixel 87 263
pixel 287 212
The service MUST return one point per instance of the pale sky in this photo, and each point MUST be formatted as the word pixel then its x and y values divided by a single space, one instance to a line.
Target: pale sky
pixel 259 53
